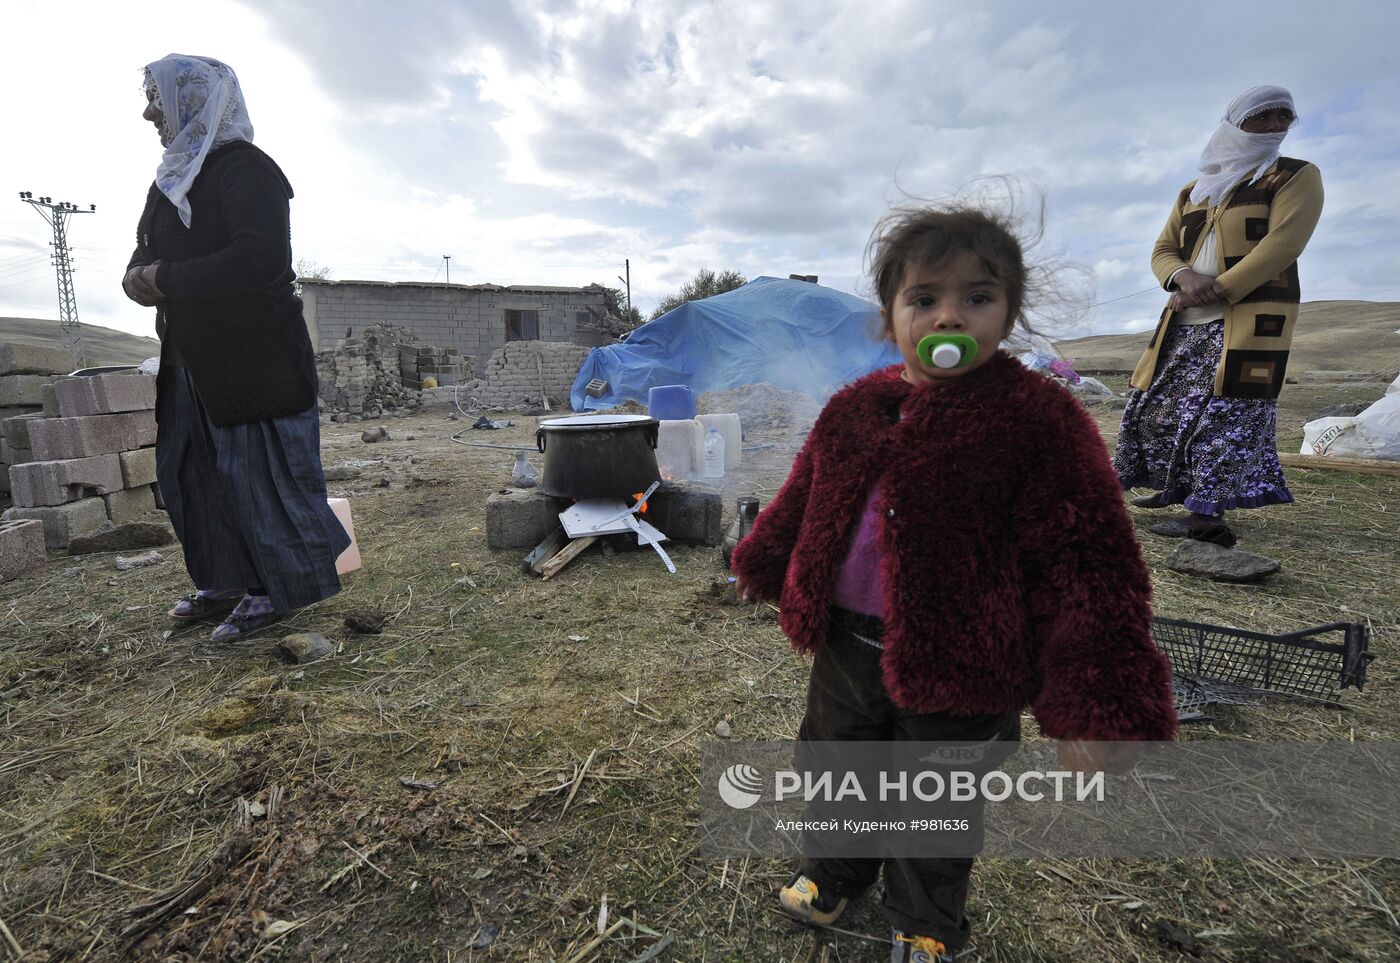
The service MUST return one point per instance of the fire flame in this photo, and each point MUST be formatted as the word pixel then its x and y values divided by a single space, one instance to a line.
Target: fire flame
pixel 637 496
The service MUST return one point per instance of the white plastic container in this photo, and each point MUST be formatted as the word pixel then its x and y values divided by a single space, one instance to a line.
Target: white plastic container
pixel 680 449
pixel 714 454
pixel 349 560
pixel 733 434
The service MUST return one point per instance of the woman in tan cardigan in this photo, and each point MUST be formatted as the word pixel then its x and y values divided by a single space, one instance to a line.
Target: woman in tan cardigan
pixel 1200 428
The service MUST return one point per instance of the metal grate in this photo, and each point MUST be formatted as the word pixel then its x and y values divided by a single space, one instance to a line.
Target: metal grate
pixel 1214 664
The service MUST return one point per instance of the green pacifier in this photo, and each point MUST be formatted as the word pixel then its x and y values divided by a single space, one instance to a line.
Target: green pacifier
pixel 947 350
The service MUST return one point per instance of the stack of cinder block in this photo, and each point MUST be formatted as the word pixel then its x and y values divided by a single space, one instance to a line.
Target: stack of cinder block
pixel 523 373
pixel 419 362
pixel 91 464
pixel 26 373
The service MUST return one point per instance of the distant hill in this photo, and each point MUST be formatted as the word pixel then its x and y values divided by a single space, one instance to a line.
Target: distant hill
pixel 100 345
pixel 1330 336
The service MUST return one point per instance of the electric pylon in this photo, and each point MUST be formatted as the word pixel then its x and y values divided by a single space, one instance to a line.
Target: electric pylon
pixel 57 214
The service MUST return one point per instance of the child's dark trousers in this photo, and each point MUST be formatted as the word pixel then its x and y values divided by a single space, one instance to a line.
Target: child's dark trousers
pixel 847 701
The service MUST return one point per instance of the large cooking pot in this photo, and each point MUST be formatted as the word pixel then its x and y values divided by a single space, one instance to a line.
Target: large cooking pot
pixel 598 456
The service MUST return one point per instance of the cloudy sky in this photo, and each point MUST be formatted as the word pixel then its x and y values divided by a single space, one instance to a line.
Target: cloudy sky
pixel 538 141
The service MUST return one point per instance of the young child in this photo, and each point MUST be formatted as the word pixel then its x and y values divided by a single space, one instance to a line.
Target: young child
pixel 951 547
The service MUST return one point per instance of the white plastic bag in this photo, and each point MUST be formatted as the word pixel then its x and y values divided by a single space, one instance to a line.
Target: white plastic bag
pixel 1374 433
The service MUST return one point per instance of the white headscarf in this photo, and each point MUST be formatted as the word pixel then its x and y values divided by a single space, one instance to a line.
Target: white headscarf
pixel 203 108
pixel 1232 153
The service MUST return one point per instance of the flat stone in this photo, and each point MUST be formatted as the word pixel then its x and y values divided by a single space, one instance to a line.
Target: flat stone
pixel 340 473
pixel 126 563
pixel 306 646
pixel 21 547
pixel 122 538
pixel 1210 561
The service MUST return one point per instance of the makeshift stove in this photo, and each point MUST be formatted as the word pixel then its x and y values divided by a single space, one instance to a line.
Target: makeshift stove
pixel 592 459
pixel 588 520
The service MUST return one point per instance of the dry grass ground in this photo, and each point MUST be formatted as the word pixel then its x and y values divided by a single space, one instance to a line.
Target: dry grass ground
pixel 559 723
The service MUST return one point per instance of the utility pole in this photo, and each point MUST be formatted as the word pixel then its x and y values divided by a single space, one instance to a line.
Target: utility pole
pixel 447 260
pixel 627 266
pixel 57 214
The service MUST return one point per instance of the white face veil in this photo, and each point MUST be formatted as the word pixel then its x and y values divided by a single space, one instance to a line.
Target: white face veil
pixel 1232 154
pixel 203 109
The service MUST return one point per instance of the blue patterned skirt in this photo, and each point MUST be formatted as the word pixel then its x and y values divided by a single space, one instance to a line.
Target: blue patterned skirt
pixel 248 502
pixel 1207 453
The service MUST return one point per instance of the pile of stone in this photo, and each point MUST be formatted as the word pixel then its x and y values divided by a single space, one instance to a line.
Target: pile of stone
pixel 418 362
pixel 87 462
pixel 359 377
pixel 522 374
pixel 763 407
pixel 26 373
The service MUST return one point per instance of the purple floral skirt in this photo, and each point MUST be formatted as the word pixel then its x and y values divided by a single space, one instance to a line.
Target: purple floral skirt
pixel 1207 453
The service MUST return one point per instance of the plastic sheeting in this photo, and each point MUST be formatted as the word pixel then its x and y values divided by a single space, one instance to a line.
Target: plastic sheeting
pixel 793 334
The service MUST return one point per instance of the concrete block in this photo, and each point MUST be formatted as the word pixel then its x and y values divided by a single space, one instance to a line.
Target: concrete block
pixel 51 399
pixel 521 518
pixel 138 467
pixel 16 358
pixel 39 483
pixel 22 389
pixel 687 515
pixel 129 504
pixel 16 429
pixel 81 437
pixel 21 548
pixel 105 394
pixel 64 522
pixel 14 411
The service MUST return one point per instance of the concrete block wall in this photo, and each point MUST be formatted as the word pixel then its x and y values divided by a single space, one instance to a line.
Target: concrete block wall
pixel 512 375
pixel 91 465
pixel 469 318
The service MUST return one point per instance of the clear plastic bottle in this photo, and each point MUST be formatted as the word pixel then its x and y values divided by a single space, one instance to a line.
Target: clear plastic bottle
pixel 523 474
pixel 714 454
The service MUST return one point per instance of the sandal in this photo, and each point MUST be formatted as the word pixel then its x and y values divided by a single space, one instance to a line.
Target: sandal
pixel 1153 500
pixel 245 619
pixel 198 607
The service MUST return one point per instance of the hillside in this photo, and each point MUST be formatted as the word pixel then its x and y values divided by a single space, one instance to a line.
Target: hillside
pixel 100 345
pixel 1331 336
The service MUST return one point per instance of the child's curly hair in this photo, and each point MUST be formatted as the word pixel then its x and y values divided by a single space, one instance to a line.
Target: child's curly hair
pixel 984 221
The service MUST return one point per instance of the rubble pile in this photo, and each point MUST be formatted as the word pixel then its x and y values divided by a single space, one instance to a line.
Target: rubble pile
pixel 360 377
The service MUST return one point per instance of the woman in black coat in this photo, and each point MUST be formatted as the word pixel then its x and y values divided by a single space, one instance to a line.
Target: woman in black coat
pixel 238 447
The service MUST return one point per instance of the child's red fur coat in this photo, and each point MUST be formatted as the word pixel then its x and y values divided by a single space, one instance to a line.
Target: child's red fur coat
pixel 1011 572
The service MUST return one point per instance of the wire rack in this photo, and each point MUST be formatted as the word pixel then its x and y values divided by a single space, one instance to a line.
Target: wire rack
pixel 1215 664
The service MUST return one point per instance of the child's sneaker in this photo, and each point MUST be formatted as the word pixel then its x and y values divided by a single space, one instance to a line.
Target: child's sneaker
pixel 908 948
pixel 800 898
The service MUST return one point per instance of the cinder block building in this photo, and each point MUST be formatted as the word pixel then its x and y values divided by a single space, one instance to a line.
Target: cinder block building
pixel 476 319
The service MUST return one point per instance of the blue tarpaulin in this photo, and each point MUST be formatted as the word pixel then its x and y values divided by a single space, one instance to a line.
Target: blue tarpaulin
pixel 794 334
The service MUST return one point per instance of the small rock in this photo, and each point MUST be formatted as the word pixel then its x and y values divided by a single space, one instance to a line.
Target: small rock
pixel 306 646
pixel 723 730
pixel 422 785
pixel 1219 564
pixel 341 473
pixel 383 482
pixel 122 538
pixel 355 419
pixel 486 936
pixel 411 437
pixel 340 417
pixel 365 623
pixel 126 564
pixel 371 435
